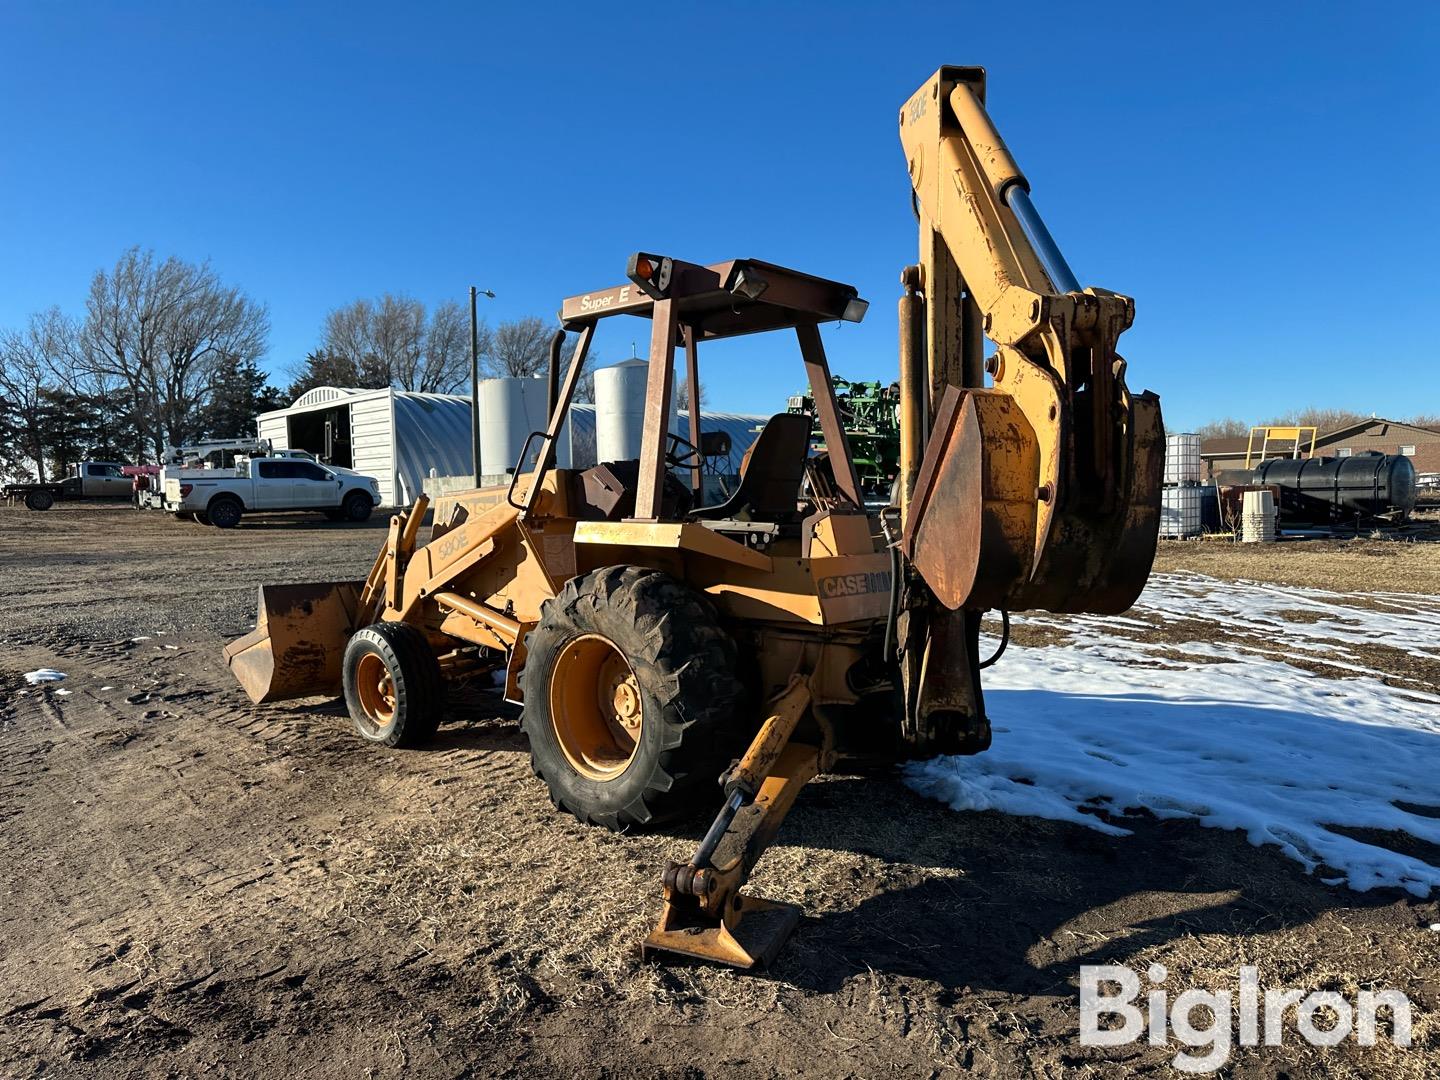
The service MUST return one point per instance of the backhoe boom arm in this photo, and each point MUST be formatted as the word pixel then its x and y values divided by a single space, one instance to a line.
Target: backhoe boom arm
pixel 1051 477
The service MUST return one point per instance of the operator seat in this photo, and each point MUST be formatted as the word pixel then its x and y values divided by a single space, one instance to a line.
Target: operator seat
pixel 770 481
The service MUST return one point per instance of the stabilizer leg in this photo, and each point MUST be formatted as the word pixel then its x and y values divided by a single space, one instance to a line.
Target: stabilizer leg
pixel 705 915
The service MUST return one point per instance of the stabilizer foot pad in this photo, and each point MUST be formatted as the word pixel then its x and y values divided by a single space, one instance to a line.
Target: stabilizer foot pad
pixel 748 937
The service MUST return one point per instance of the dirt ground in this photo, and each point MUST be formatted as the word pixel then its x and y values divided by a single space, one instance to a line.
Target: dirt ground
pixel 196 885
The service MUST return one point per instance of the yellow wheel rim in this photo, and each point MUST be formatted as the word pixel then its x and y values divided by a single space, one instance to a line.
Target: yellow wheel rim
pixel 375 689
pixel 595 707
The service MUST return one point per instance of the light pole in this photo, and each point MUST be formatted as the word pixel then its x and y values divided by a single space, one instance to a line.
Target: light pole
pixel 475 377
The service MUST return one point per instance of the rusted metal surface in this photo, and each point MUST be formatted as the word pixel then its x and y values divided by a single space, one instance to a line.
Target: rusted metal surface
pixel 949 711
pixel 659 387
pixel 970 528
pixel 975 516
pixel 692 402
pixel 298 641
pixel 817 370
pixel 721 300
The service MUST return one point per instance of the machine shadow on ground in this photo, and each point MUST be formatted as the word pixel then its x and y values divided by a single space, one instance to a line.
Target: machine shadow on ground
pixel 980 901
pixel 1034 899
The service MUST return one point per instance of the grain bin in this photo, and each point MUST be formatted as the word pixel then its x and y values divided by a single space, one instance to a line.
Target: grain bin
pixel 511 408
pixel 620 410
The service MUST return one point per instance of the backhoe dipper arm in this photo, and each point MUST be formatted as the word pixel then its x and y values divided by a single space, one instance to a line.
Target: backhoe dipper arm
pixel 1051 479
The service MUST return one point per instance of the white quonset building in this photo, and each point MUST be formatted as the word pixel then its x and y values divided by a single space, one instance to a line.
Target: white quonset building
pixel 403 438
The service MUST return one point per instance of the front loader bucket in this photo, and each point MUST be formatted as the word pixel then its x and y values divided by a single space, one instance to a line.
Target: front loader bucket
pixel 298 642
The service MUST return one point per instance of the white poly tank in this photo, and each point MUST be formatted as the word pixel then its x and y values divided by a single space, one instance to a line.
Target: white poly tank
pixel 620 410
pixel 1180 512
pixel 1182 459
pixel 511 408
pixel 1257 517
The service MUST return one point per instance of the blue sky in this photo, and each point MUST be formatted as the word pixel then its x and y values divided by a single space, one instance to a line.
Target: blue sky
pixel 1260 177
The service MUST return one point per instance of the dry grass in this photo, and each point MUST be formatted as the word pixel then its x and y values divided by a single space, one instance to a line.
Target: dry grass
pixel 1397 562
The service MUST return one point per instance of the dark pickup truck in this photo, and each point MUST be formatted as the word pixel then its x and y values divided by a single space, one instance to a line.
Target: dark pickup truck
pixel 91 480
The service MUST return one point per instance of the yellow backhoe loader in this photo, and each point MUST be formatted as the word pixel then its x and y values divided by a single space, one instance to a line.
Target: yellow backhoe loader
pixel 670 655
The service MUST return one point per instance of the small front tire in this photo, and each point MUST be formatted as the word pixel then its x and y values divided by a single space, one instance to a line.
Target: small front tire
pixel 393 687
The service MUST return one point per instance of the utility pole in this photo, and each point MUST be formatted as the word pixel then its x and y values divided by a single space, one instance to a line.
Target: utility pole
pixel 475 294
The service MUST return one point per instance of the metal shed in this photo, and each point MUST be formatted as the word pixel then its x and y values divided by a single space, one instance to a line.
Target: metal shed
pixel 401 437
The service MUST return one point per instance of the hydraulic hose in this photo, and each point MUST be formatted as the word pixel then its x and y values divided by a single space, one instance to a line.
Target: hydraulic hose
pixel 1004 639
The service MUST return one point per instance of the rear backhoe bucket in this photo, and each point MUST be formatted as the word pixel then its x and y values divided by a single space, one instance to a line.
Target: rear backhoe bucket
pixel 977 533
pixel 298 642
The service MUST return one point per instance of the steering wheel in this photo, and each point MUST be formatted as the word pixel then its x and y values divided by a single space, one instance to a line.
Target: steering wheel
pixel 674 457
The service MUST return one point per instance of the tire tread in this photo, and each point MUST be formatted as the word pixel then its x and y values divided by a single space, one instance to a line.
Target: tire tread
pixel 690 665
pixel 420 697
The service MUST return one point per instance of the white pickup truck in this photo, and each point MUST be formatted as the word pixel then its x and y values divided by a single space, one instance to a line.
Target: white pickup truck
pixel 272 484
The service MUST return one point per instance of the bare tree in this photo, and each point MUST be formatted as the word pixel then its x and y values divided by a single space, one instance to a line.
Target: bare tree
pixel 1228 428
pixel 682 393
pixel 384 339
pixel 520 348
pixel 162 330
pixel 392 342
pixel 32 361
pixel 447 349
pixel 1325 420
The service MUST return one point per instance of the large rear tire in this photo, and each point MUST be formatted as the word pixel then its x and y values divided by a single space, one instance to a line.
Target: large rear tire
pixel 633 706
pixel 39 500
pixel 393 687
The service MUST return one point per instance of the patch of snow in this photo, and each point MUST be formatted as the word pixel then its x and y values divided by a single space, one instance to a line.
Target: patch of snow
pixel 43 675
pixel 1233 740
